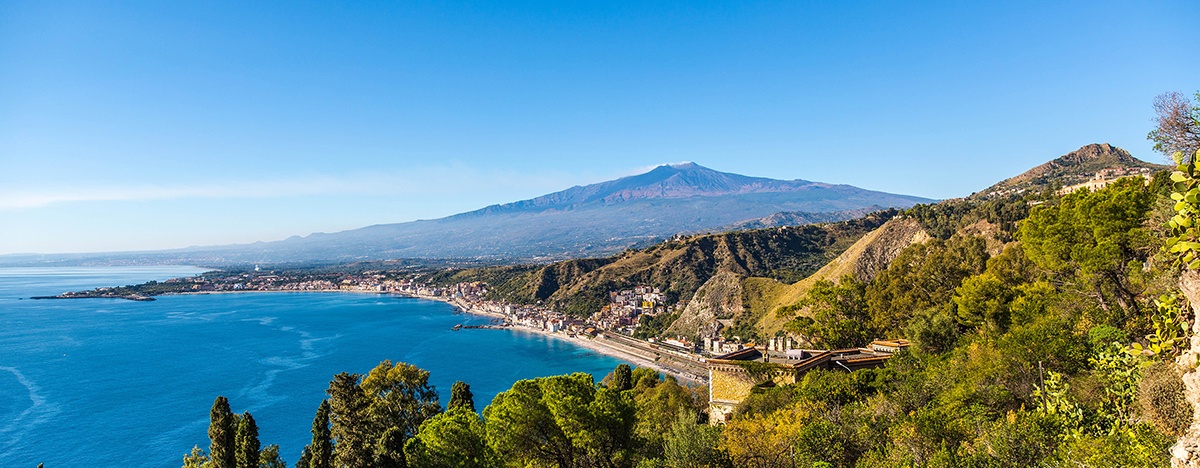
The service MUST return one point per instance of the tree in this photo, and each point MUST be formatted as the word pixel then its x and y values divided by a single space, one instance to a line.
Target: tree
pixel 348 416
pixel 763 441
pixel 400 396
pixel 196 459
pixel 389 449
pixel 933 330
pixel 657 408
pixel 839 314
pixel 221 433
pixel 922 276
pixel 269 458
pixel 983 301
pixel 456 438
pixel 690 445
pixel 247 442
pixel 461 397
pixel 305 458
pixel 622 378
pixel 320 451
pixel 1177 122
pixel 1090 241
pixel 562 420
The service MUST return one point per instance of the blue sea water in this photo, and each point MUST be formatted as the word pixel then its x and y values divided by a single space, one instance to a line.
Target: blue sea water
pixel 110 382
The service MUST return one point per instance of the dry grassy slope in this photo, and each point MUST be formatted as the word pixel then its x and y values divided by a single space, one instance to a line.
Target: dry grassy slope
pixel 684 265
pixel 866 258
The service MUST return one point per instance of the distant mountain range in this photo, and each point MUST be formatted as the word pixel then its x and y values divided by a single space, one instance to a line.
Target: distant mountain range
pixel 581 221
pixel 744 278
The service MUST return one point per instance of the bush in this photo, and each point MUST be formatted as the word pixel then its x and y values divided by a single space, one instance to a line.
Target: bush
pixel 1162 401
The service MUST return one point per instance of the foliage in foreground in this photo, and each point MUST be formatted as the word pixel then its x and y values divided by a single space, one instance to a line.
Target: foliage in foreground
pixel 1022 358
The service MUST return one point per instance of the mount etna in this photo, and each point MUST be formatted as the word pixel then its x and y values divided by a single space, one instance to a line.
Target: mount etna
pixel 590 220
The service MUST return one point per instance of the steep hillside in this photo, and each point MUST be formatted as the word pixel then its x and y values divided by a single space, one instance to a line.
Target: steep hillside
pixel 866 258
pixel 679 266
pixel 992 215
pixel 798 218
pixel 720 298
pixel 1073 168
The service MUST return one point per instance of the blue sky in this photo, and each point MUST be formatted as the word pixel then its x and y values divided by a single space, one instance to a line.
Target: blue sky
pixel 146 125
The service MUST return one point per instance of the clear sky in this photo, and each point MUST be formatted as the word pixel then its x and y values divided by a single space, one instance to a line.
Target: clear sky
pixel 147 125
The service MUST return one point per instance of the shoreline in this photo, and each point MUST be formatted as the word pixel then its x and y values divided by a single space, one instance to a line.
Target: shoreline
pixel 599 345
pixel 603 346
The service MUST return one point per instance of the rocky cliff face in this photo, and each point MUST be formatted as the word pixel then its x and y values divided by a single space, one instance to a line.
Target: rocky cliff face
pixel 719 298
pixel 877 253
pixel 1186 452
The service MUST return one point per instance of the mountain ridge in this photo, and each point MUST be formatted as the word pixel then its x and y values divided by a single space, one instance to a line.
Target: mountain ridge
pixel 581 221
pixel 1072 168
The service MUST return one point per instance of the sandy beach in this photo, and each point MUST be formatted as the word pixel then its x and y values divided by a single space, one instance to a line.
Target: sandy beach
pixel 600 344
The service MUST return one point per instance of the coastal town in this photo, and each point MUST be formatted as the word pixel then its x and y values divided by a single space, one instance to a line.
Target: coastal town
pixel 730 368
pixel 609 330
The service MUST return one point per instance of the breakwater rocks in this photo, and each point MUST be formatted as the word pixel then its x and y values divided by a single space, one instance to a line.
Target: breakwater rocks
pixel 128 297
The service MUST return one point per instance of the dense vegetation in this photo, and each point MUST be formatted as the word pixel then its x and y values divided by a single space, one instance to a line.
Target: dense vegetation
pixel 1022 358
pixel 1049 341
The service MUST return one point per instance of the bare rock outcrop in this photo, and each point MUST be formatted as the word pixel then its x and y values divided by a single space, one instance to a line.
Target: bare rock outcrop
pixel 879 251
pixel 719 298
pixel 1186 451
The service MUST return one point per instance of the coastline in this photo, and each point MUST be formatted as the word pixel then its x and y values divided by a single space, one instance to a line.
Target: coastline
pixel 600 344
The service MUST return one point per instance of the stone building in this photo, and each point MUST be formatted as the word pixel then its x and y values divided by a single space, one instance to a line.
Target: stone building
pixel 732 377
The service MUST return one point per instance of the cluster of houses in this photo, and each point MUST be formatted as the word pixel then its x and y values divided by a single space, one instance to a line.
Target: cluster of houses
pixel 247 282
pixel 734 368
pixel 1107 176
pixel 626 307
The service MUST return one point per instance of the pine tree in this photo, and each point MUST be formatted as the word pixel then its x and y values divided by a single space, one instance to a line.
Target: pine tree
pixel 221 433
pixel 622 378
pixel 320 451
pixel 247 442
pixel 461 396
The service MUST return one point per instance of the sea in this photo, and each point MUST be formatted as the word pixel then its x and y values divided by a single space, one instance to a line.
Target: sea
pixel 112 382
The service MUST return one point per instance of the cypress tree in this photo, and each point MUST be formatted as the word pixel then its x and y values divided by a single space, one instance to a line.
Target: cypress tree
pixel 221 433
pixel 389 449
pixel 622 378
pixel 349 418
pixel 196 459
pixel 247 442
pixel 320 451
pixel 269 457
pixel 461 396
pixel 305 456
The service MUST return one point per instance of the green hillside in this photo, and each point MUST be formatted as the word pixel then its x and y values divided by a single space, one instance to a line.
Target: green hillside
pixel 678 266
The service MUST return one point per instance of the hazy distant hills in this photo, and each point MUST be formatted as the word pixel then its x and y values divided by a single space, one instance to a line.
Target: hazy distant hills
pixel 588 220
pixel 597 219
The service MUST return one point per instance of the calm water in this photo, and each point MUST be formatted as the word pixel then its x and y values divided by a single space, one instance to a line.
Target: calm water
pixel 110 382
